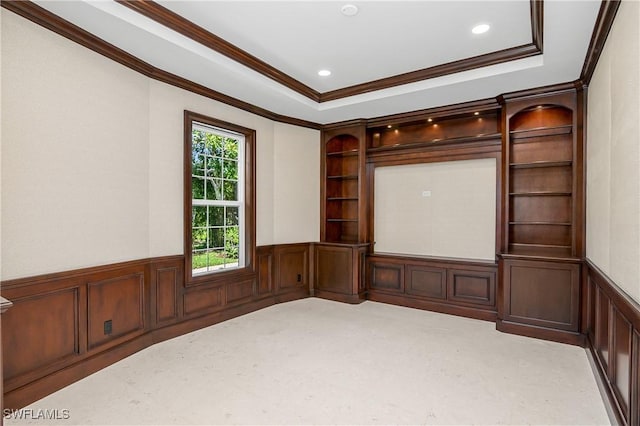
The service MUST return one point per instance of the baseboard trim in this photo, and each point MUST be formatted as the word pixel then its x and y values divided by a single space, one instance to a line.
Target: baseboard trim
pixel 560 336
pixel 603 386
pixel 443 308
pixel 353 299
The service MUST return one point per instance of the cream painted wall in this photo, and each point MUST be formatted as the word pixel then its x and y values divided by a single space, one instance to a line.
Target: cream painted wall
pixel 458 219
pixel 75 164
pixel 92 160
pixel 296 175
pixel 613 154
pixel 166 135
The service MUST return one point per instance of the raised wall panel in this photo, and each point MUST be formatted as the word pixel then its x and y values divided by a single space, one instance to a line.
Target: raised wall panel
pixel 602 328
pixel 202 301
pixel 616 345
pixel 622 341
pixel 473 287
pixel 265 271
pixel 635 379
pixel 119 300
pixel 426 282
pixel 333 269
pixel 386 276
pixel 544 294
pixel 240 290
pixel 292 266
pixel 40 330
pixel 167 294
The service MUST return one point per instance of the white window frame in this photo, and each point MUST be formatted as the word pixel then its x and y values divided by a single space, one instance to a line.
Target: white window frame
pixel 240 203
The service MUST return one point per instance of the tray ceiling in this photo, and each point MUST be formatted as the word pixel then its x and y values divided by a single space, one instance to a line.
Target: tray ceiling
pixel 271 51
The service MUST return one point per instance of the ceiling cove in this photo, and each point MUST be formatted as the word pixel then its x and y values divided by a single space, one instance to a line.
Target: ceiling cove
pixel 597 27
pixel 179 24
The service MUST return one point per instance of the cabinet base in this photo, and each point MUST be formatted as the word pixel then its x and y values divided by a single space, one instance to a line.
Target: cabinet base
pixel 339 297
pixel 560 336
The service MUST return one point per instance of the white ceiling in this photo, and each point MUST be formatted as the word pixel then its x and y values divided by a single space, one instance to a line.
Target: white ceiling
pixel 384 39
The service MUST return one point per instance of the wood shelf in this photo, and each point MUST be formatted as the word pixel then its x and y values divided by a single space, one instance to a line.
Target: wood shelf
pixel 541 194
pixel 541 223
pixel 342 220
pixel 539 250
pixel 342 198
pixel 435 142
pixel 540 164
pixel 343 153
pixel 541 132
pixel 343 177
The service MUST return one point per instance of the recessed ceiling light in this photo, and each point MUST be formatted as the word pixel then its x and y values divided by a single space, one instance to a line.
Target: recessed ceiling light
pixel 430 120
pixel 324 73
pixel 349 10
pixel 479 29
pixel 389 126
pixel 476 113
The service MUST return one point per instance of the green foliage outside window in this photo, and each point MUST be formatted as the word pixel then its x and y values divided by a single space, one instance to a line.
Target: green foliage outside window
pixel 215 232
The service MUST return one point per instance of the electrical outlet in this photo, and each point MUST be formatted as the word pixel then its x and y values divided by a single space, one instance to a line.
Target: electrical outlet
pixel 299 278
pixel 108 327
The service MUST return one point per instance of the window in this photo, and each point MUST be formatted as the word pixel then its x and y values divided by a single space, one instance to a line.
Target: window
pixel 219 203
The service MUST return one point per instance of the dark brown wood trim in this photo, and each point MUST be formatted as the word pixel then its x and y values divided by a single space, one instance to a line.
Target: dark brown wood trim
pixel 46 19
pixel 536 332
pixel 604 22
pixel 619 309
pixel 75 273
pixel 430 305
pixel 621 300
pixel 248 271
pixel 449 111
pixel 536 92
pixel 537 23
pixel 187 28
pixel 466 64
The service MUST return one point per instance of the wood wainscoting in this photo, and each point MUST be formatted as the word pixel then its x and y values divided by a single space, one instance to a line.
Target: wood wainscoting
pixel 67 325
pixel 450 286
pixel 612 325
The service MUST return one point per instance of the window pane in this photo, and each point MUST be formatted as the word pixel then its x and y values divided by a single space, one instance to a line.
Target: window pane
pixel 199 216
pixel 232 216
pixel 232 242
pixel 197 142
pixel 231 190
pixel 216 237
pixel 214 189
pixel 214 144
pixel 214 167
pixel 199 261
pixel 197 165
pixel 198 238
pixel 231 169
pixel 216 216
pixel 230 148
pixel 216 259
pixel 197 192
pixel 217 171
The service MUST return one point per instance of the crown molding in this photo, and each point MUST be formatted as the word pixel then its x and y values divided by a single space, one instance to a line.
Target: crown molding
pixel 604 22
pixel 198 34
pixel 66 29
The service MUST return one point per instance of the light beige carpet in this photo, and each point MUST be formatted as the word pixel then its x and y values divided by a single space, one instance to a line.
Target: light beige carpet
pixel 319 362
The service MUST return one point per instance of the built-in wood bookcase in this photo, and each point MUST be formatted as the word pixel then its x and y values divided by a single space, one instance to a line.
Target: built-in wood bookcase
pixel 543 197
pixel 540 181
pixel 343 175
pixel 339 258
